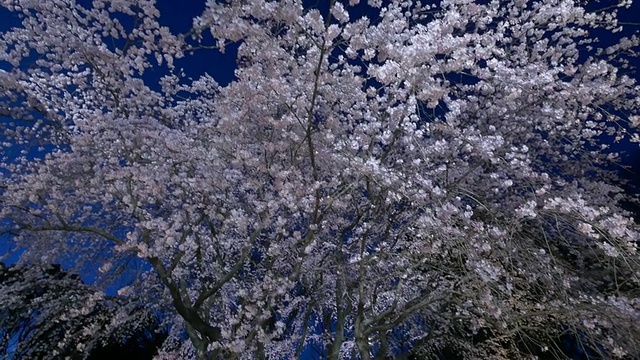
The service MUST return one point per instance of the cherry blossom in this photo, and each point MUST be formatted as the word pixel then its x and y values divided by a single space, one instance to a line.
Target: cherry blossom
pixel 407 178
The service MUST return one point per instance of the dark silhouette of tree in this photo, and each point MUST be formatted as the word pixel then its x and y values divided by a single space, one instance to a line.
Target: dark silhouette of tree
pixel 46 311
pixel 142 345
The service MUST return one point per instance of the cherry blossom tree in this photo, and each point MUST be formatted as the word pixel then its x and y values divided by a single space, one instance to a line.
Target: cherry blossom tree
pixel 399 178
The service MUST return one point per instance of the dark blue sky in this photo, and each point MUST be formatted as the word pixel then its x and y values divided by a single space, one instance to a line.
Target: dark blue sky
pixel 178 16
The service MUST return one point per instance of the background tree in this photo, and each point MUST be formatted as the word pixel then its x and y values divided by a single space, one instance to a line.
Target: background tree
pixel 432 169
pixel 142 344
pixel 46 312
